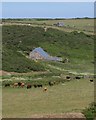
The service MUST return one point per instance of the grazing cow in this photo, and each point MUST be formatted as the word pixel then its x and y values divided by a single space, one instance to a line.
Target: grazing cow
pixel 45 89
pixel 54 82
pixel 77 77
pixel 15 84
pixel 68 77
pixel 39 85
pixel 51 83
pixel 91 80
pixel 7 85
pixel 19 83
pixel 29 86
pixel 35 86
pixel 22 85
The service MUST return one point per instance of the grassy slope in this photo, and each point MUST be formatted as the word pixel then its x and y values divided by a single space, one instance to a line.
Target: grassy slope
pixel 77 47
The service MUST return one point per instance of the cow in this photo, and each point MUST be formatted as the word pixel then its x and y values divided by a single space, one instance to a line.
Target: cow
pixel 78 77
pixel 15 84
pixel 91 80
pixel 68 77
pixel 51 83
pixel 29 86
pixel 35 86
pixel 7 85
pixel 39 85
pixel 54 82
pixel 22 85
pixel 19 83
pixel 45 89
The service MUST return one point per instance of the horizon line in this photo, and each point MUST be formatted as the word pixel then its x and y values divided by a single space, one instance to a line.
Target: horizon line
pixel 47 17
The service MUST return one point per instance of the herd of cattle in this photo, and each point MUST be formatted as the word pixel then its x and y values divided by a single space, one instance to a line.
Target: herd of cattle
pixel 28 86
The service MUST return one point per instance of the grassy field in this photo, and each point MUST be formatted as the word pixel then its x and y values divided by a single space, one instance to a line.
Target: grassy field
pixel 71 96
pixel 84 25
pixel 74 41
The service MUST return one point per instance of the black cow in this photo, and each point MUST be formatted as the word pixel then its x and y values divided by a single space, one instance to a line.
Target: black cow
pixel 77 77
pixel 68 77
pixel 91 80
pixel 35 86
pixel 7 85
pixel 51 83
pixel 39 85
pixel 29 86
pixel 19 83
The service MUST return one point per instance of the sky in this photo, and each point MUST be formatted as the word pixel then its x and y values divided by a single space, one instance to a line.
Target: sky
pixel 47 9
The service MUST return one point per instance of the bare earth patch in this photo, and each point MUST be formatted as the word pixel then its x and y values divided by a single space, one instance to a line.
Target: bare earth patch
pixel 2 73
pixel 63 115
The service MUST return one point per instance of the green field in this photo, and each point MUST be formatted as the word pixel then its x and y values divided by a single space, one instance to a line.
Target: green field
pixel 74 41
pixel 71 96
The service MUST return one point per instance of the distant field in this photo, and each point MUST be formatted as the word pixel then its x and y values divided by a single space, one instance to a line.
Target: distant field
pixel 71 96
pixel 84 25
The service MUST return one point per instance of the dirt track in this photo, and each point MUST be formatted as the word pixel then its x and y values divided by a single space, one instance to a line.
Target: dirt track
pixel 2 73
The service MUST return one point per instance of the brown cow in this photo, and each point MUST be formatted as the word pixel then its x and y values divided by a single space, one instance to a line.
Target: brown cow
pixel 22 85
pixel 15 84
pixel 29 86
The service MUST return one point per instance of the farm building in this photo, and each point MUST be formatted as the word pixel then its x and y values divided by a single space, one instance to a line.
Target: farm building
pixel 59 24
pixel 40 54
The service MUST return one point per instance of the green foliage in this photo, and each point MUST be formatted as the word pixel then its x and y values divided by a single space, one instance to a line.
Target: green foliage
pixel 90 112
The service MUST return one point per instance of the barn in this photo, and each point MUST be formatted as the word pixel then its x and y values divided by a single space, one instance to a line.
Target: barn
pixel 59 24
pixel 40 54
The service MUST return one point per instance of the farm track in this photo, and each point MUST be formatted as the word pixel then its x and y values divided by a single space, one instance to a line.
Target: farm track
pixel 69 71
pixel 15 73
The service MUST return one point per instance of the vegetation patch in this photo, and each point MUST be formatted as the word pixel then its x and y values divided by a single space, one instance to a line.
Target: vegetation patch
pixel 90 112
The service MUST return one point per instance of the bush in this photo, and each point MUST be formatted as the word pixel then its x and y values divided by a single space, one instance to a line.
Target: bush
pixel 90 112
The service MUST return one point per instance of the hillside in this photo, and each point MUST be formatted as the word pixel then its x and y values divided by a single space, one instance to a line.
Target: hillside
pixel 19 40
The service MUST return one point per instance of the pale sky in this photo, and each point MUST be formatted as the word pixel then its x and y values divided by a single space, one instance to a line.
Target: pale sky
pixel 47 9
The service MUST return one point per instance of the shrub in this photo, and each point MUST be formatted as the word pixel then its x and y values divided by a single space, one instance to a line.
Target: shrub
pixel 90 112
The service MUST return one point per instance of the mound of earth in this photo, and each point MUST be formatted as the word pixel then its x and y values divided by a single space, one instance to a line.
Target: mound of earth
pixel 4 73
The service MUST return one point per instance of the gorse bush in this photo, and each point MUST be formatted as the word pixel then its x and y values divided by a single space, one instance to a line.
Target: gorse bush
pixel 90 112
